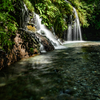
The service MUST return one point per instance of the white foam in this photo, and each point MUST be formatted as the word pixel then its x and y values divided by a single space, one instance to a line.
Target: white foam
pixel 66 42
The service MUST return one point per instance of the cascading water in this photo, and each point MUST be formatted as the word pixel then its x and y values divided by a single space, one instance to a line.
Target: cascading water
pixel 41 29
pixel 69 35
pixel 24 16
pixel 69 31
pixel 74 29
pixel 42 48
pixel 77 28
pixel 74 34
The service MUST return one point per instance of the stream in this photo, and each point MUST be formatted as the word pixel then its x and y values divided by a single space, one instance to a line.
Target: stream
pixel 72 73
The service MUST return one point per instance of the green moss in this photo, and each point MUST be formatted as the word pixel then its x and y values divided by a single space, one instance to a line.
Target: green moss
pixel 0 47
pixel 31 50
pixel 29 5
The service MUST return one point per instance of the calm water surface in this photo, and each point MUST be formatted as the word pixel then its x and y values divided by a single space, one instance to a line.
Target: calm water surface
pixel 72 73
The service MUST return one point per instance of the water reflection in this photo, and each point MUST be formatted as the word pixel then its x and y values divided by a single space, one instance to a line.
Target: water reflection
pixel 66 74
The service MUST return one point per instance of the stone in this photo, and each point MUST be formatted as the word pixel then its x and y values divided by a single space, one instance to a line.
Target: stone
pixel 68 91
pixel 35 51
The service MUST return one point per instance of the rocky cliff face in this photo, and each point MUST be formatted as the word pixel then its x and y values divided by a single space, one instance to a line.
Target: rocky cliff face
pixel 24 47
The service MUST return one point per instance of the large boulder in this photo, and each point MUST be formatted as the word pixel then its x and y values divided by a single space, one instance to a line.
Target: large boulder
pixel 45 42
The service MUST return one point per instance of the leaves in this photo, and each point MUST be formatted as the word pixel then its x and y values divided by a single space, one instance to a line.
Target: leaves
pixel 53 13
pixel 9 26
pixel 29 5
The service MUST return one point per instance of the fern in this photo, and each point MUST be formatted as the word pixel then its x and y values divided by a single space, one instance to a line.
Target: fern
pixel 9 26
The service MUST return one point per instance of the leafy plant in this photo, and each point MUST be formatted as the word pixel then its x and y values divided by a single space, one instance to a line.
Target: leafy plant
pixel 53 13
pixel 31 50
pixel 8 23
pixel 29 5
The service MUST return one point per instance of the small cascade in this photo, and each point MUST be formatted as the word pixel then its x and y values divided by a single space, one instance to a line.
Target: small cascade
pixel 42 48
pixel 24 16
pixel 42 30
pixel 74 29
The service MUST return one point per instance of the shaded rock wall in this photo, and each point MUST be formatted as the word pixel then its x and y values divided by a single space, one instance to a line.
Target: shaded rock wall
pixel 21 13
pixel 24 47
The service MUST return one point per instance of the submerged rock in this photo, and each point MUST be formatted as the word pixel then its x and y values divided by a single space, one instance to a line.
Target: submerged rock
pixel 69 91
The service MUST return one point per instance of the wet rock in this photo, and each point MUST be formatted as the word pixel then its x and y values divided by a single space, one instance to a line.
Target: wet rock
pixel 21 14
pixel 75 88
pixel 71 59
pixel 45 42
pixel 64 97
pixel 78 81
pixel 35 51
pixel 96 95
pixel 68 91
pixel 56 70
pixel 3 58
pixel 79 52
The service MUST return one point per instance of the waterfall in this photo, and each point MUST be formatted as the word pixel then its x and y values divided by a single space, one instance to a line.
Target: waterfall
pixel 42 30
pixel 74 29
pixel 74 34
pixel 77 28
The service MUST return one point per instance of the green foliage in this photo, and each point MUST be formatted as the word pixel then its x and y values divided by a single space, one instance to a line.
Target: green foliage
pixel 7 5
pixel 53 13
pixel 97 26
pixel 31 50
pixel 81 10
pixel 88 10
pixel 8 25
pixel 29 5
pixel 84 37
